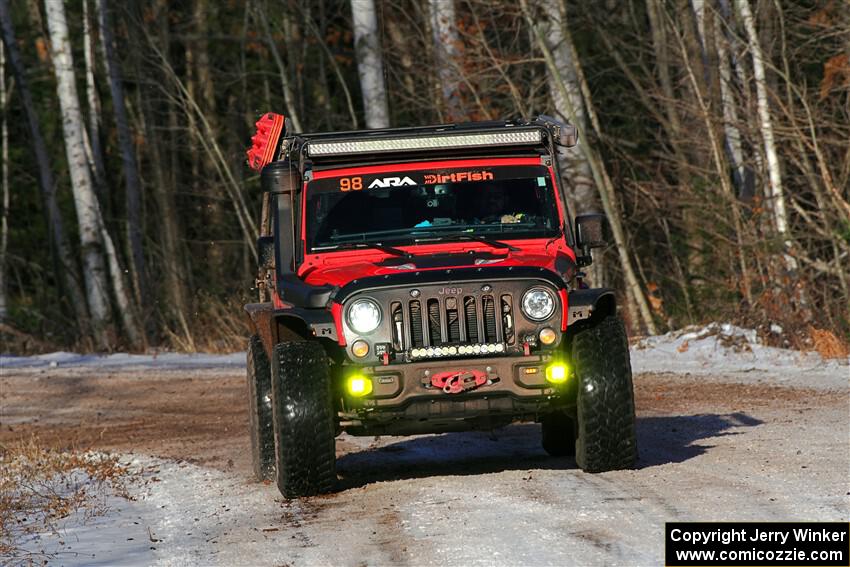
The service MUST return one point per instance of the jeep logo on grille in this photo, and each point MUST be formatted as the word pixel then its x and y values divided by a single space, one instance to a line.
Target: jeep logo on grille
pixel 450 291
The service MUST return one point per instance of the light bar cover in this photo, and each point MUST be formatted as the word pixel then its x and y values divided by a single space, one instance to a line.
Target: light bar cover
pixel 508 137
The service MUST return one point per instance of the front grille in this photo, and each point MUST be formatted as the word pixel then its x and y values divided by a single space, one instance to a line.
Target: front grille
pixel 452 321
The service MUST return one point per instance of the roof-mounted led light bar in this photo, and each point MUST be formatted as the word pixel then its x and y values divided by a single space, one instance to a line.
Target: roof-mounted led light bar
pixel 507 137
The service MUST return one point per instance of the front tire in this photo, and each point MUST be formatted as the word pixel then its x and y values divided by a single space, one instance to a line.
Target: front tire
pixel 260 410
pixel 605 406
pixel 305 449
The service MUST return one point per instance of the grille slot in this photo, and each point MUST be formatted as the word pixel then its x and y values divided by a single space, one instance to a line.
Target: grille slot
pixel 489 308
pixel 434 322
pixel 397 318
pixel 508 319
pixel 471 318
pixel 416 335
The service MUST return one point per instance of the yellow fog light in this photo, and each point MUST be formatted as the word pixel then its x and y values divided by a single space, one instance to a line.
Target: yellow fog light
pixel 360 348
pixel 557 373
pixel 359 386
pixel 547 336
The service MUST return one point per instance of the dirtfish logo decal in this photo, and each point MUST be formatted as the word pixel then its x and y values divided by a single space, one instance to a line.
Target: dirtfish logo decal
pixel 391 182
pixel 457 177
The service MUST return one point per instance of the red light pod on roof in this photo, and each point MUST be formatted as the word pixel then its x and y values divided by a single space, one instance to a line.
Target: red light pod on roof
pixel 266 140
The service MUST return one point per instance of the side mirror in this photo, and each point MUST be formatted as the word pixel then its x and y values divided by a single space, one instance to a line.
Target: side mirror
pixel 265 252
pixel 590 233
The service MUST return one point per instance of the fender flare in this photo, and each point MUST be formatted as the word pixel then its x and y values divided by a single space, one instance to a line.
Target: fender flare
pixel 291 324
pixel 587 303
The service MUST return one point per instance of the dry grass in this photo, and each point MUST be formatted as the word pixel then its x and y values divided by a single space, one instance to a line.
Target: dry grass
pixel 217 326
pixel 39 487
pixel 827 344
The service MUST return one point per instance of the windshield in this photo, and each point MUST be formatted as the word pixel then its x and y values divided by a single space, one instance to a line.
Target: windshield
pixel 498 202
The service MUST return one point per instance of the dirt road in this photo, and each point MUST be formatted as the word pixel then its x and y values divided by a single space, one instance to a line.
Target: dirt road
pixel 711 447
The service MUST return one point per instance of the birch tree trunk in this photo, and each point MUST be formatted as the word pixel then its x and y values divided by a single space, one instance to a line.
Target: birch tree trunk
pixel 95 149
pixel 603 183
pixel 574 164
pixel 730 113
pixel 777 195
pixel 732 134
pixel 444 33
pixel 370 64
pixel 128 156
pixel 579 178
pixel 85 201
pixel 67 272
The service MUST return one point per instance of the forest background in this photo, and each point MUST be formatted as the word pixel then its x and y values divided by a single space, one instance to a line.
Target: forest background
pixel 713 133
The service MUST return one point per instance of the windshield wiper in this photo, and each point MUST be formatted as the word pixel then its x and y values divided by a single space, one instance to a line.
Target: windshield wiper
pixel 376 245
pixel 475 237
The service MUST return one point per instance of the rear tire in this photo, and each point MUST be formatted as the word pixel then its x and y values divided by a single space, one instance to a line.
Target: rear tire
pixel 559 434
pixel 605 405
pixel 260 410
pixel 305 449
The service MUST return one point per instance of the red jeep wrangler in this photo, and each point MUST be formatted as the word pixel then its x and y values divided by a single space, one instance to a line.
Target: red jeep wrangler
pixel 427 280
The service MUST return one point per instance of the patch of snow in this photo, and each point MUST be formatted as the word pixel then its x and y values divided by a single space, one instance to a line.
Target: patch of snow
pixel 717 349
pixel 159 361
pixel 722 349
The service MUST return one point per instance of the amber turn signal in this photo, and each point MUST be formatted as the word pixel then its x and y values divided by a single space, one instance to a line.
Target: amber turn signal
pixel 360 348
pixel 547 336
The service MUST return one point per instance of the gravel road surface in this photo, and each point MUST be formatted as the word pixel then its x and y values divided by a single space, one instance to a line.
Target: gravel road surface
pixel 713 446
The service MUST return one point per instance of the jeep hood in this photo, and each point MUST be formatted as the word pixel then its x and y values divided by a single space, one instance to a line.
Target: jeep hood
pixel 340 268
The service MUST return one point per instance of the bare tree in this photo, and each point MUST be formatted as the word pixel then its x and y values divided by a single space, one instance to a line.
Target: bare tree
pixel 288 96
pixel 4 183
pixel 574 164
pixel 370 64
pixel 777 194
pixel 603 183
pixel 128 156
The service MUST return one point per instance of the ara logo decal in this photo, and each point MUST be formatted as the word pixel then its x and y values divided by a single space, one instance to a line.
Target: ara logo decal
pixel 391 182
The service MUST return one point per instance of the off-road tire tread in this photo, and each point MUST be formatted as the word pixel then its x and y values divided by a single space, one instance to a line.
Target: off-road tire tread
pixel 558 434
pixel 304 429
pixel 259 412
pixel 605 405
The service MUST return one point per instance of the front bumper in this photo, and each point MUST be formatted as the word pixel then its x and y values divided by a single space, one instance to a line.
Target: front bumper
pixel 404 399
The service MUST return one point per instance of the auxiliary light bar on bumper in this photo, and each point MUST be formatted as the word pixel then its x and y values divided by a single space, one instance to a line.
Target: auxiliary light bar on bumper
pixel 436 352
pixel 449 140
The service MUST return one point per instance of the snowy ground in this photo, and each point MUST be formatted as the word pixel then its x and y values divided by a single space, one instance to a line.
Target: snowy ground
pixel 760 434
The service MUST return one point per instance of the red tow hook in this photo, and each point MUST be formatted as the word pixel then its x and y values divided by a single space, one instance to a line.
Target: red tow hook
pixel 457 381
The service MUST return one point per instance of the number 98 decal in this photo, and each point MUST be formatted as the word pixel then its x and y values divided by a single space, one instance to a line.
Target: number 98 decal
pixel 351 184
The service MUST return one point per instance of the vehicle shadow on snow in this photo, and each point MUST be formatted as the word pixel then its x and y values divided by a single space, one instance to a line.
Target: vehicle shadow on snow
pixel 661 440
pixel 673 439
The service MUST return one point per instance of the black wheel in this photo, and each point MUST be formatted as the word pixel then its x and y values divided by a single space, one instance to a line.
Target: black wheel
pixel 260 410
pixel 605 404
pixel 305 449
pixel 559 434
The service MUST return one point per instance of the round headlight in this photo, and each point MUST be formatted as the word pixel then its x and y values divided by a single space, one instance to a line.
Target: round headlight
pixel 364 316
pixel 538 304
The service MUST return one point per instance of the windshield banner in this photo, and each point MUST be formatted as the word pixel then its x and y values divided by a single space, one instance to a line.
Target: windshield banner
pixel 425 177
